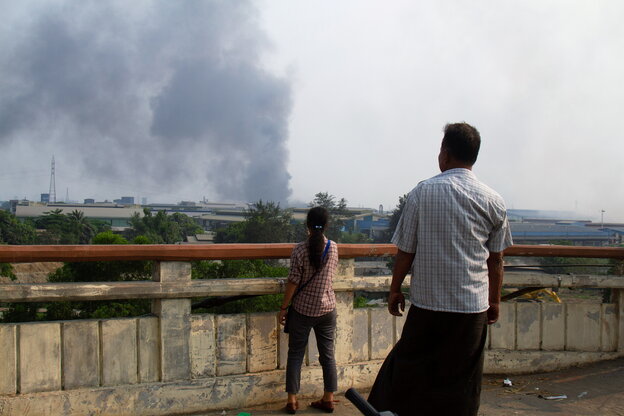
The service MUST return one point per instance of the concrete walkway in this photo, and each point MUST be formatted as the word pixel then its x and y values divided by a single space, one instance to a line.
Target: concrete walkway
pixel 595 390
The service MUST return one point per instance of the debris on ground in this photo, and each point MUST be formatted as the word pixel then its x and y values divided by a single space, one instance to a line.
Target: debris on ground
pixel 507 383
pixel 560 397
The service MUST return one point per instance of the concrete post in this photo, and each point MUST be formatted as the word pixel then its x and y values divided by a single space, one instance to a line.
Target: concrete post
pixel 175 323
pixel 618 295
pixel 344 309
pixel 8 359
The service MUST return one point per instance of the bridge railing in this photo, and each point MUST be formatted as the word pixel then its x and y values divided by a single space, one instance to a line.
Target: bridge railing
pixel 175 361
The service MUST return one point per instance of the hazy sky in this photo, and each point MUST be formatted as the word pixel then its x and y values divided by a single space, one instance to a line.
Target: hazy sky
pixel 282 99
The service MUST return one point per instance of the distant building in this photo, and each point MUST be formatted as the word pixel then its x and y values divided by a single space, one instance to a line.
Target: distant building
pixel 125 200
pixel 89 201
pixel 45 198
pixel 373 224
pixel 117 216
pixel 579 235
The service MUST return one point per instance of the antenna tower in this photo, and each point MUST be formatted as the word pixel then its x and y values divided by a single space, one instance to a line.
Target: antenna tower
pixel 52 184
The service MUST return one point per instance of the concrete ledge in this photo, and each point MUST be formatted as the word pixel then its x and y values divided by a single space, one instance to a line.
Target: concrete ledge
pixel 182 397
pixel 525 362
pixel 246 390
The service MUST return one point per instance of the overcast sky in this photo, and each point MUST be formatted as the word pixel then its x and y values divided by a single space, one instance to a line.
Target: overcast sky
pixel 239 100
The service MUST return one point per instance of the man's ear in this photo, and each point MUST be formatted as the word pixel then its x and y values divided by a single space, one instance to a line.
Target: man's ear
pixel 443 159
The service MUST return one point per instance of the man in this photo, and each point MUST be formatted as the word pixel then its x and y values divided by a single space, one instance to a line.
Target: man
pixel 451 235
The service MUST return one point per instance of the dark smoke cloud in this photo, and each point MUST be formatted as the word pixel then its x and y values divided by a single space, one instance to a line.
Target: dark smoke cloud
pixel 151 93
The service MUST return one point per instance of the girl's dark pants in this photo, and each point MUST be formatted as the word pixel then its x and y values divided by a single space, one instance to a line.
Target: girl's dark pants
pixel 325 329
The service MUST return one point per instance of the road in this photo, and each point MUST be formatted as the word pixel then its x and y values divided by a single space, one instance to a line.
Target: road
pixel 594 390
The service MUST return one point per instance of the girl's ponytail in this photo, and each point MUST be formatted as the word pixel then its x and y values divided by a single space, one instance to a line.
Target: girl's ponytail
pixel 316 222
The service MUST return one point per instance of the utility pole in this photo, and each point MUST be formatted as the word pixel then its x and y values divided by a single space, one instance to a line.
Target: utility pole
pixel 602 211
pixel 52 192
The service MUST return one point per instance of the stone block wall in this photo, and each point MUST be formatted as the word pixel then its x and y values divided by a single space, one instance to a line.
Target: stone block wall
pixel 579 327
pixel 176 362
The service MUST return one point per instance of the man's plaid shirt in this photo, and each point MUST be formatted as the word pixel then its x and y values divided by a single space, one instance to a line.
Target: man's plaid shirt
pixel 317 297
pixel 452 222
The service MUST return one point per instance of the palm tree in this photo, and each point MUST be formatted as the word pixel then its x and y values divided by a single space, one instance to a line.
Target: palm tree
pixel 82 226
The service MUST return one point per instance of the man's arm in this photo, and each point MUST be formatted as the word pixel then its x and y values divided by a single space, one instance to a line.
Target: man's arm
pixel 495 276
pixel 402 265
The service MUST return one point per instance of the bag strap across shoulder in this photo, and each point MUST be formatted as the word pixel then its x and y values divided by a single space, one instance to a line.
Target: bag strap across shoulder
pixel 300 287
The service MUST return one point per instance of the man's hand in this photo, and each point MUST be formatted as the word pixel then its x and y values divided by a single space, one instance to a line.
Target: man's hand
pixel 402 264
pixel 396 300
pixel 492 313
pixel 495 282
pixel 281 317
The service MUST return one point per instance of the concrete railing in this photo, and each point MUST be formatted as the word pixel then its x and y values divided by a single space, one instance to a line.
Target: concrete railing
pixel 177 362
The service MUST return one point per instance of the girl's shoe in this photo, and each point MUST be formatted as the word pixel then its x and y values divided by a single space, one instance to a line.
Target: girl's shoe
pixel 292 408
pixel 327 407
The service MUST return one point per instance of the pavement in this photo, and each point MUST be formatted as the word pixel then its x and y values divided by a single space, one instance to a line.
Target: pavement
pixel 596 390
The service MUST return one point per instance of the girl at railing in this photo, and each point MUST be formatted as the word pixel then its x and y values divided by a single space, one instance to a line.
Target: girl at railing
pixel 310 294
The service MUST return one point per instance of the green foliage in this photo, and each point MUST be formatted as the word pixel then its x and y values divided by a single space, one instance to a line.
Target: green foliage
pixel 71 228
pixel 162 228
pixel 15 232
pixel 233 233
pixel 360 302
pixel 21 312
pixel 264 223
pixel 6 270
pixel 338 212
pixel 12 231
pixel 232 269
pixel 395 217
pixel 109 237
pixel 264 303
pixel 394 221
pixel 355 238
pixel 97 271
pixel 573 265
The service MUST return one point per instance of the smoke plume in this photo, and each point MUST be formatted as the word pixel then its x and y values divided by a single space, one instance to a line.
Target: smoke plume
pixel 152 93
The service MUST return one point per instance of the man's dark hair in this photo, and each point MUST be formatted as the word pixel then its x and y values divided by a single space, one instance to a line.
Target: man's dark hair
pixel 462 142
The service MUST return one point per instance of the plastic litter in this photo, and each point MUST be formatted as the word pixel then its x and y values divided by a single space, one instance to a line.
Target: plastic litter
pixel 244 414
pixel 507 383
pixel 561 397
pixel 582 394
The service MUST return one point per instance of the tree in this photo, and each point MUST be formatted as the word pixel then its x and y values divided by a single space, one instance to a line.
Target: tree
pixel 233 233
pixel 264 223
pixel 394 218
pixel 81 227
pixel 238 269
pixel 162 228
pixel 13 231
pixel 187 225
pixel 101 271
pixel 338 212
pixel 355 238
pixel 6 269
pixel 71 228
